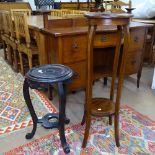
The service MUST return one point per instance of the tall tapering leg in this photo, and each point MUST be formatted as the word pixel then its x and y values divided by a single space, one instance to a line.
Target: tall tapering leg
pixel 116 124
pixel 87 128
pixel 31 109
pixel 83 119
pixel 62 116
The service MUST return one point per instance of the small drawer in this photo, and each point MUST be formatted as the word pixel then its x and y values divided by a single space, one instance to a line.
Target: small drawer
pixel 137 38
pixel 79 80
pixel 74 48
pixel 133 62
pixel 105 39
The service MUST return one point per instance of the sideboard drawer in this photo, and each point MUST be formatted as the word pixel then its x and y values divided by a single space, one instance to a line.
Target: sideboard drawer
pixel 74 48
pixel 79 80
pixel 105 40
pixel 137 38
pixel 133 61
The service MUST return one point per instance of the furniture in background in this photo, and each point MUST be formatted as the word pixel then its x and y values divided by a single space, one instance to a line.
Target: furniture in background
pixel 16 5
pixel 149 55
pixel 9 41
pixel 13 5
pixel 64 41
pixel 105 106
pixel 44 3
pixel 25 44
pixel 77 5
pixel 116 6
pixel 41 77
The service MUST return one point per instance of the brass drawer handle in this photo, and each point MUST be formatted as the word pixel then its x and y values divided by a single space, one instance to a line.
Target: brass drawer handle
pixel 136 39
pixel 76 75
pixel 75 46
pixel 104 38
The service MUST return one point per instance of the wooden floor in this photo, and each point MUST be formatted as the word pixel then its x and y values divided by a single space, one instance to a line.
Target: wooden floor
pixel 142 99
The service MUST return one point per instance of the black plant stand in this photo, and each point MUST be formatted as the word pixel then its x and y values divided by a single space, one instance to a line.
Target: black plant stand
pixel 41 77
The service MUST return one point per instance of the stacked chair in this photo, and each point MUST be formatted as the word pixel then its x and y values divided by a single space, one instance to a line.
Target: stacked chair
pixel 7 35
pixel 17 43
pixel 25 45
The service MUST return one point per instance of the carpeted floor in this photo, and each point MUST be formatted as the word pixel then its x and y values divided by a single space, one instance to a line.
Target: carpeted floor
pixel 14 114
pixel 137 137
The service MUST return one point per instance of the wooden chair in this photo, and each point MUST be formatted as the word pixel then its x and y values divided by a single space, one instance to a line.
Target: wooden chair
pixel 105 106
pixel 6 34
pixel 27 11
pixel 56 12
pixel 24 43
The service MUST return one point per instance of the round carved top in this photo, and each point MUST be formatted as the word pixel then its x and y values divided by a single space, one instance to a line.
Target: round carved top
pixel 50 73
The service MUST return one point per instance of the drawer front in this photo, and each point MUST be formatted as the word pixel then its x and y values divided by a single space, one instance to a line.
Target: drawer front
pixel 133 62
pixel 79 80
pixel 74 48
pixel 137 38
pixel 105 39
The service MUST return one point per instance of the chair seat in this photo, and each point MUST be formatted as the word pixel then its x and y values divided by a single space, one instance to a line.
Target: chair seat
pixel 23 48
pixel 49 73
pixel 12 43
pixel 5 37
pixel 102 107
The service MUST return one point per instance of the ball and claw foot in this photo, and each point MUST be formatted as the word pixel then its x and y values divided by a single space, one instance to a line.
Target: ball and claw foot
pixel 66 148
pixel 29 135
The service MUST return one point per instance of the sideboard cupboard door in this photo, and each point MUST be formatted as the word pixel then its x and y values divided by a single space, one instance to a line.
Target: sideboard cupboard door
pixel 74 48
pixel 79 80
pixel 133 62
pixel 136 50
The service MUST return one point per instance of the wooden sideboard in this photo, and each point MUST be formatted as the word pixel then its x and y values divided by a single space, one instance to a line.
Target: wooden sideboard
pixel 68 46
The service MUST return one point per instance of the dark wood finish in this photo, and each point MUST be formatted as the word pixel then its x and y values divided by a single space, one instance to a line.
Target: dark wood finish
pixel 101 106
pixel 41 77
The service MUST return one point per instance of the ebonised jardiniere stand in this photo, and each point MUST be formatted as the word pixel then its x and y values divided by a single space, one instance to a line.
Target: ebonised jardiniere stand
pixel 41 77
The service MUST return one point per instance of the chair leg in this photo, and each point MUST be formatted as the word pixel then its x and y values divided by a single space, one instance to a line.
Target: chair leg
pixel 116 124
pixel 15 64
pixel 9 55
pixel 21 63
pixel 30 61
pixel 4 48
pixel 87 128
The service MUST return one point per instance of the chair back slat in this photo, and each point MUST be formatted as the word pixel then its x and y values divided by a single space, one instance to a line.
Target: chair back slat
pixel 21 27
pixel 7 22
pixel 27 11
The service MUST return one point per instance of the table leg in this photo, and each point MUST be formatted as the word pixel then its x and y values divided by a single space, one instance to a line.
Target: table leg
pixel 62 116
pixel 31 109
